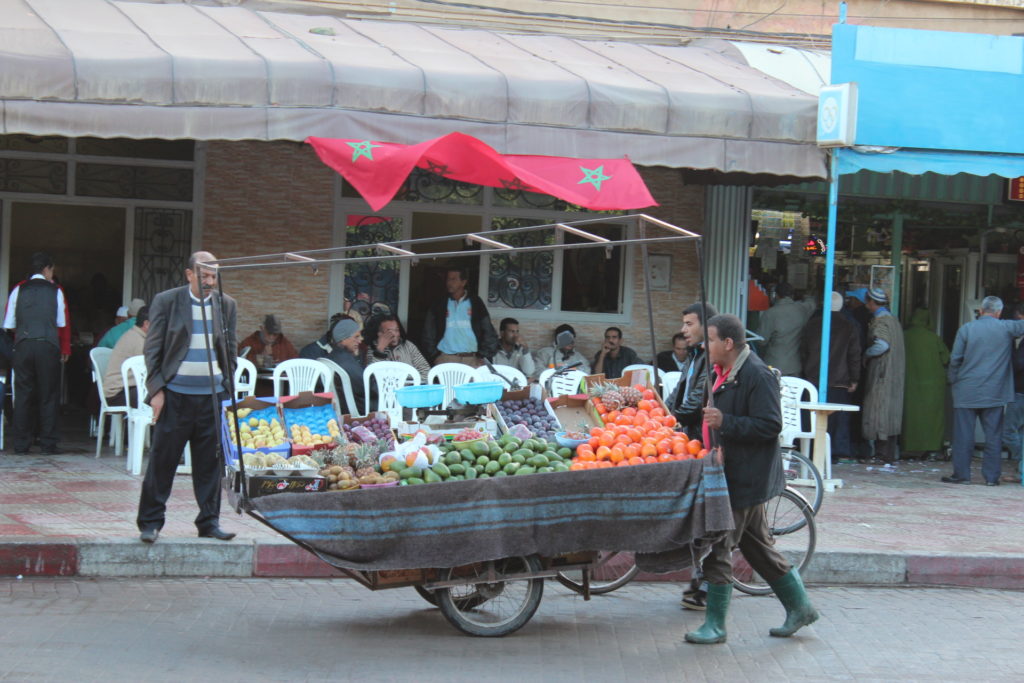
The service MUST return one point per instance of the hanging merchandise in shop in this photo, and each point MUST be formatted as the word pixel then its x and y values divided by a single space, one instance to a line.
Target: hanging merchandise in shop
pixel 378 169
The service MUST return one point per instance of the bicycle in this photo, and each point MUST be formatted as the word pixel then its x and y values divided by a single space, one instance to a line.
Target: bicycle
pixel 799 470
pixel 790 522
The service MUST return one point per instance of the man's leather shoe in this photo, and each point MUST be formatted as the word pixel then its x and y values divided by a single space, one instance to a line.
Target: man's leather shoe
pixel 992 483
pixel 149 535
pixel 955 480
pixel 218 533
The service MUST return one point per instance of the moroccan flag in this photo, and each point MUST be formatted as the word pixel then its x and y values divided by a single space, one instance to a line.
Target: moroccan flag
pixel 378 169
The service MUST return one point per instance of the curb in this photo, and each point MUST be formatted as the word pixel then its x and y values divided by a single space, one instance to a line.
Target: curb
pixel 121 557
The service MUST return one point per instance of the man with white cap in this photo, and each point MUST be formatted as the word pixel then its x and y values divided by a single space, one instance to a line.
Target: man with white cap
pixel 886 370
pixel 844 352
pixel 125 320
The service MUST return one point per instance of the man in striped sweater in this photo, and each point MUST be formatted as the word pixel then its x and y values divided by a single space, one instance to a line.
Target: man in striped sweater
pixel 187 366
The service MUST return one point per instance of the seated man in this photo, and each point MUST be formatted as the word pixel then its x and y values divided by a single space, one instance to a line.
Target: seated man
pixel 386 339
pixel 130 344
pixel 560 353
pixel 346 337
pixel 674 359
pixel 613 356
pixel 123 321
pixel 268 346
pixel 510 351
pixel 322 347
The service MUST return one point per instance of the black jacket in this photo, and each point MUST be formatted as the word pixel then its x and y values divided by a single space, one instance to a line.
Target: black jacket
pixel 666 361
pixel 752 419
pixel 690 413
pixel 170 333
pixel 480 319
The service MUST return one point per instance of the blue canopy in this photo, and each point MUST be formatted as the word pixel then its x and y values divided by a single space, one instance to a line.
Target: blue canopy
pixel 918 161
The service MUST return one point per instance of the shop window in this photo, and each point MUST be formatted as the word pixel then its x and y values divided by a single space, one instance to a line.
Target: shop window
pixel 424 186
pixel 33 175
pixel 34 143
pixel 372 287
pixel 592 278
pixel 163 243
pixel 133 182
pixel 524 280
pixel 167 150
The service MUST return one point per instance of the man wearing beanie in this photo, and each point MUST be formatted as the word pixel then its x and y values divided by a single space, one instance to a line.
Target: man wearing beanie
pixel 886 371
pixel 345 337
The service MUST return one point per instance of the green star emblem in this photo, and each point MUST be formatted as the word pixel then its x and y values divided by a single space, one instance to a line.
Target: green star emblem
pixel 362 149
pixel 594 176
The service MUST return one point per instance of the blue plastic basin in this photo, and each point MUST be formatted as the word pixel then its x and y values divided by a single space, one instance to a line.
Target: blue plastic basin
pixel 420 396
pixel 479 392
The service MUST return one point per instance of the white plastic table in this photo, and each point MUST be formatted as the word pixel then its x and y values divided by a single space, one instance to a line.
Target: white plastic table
pixel 820 456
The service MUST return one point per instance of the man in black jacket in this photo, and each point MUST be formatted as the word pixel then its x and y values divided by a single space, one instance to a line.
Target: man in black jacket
pixel 746 417
pixel 181 392
pixel 458 328
pixel 687 401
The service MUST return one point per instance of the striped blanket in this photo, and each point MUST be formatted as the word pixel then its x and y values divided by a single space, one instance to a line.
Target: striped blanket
pixel 648 508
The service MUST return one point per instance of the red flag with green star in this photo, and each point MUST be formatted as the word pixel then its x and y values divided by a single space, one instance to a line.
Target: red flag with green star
pixel 378 169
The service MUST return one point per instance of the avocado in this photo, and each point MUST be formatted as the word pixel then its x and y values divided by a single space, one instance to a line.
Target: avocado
pixel 452 458
pixel 538 461
pixel 467 454
pixel 524 452
pixel 411 472
pixel 504 459
pixel 415 480
pixel 441 470
pixel 481 448
pixel 565 452
pixel 458 468
pixel 482 460
pixel 471 472
pixel 500 473
pixel 484 476
pixel 525 469
pixel 511 468
pixel 493 466
pixel 560 467
pixel 431 477
pixel 544 470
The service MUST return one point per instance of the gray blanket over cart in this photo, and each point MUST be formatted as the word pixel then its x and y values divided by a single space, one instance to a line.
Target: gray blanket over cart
pixel 649 508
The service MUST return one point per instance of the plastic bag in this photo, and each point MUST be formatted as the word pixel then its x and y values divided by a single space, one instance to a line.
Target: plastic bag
pixel 423 454
pixel 520 431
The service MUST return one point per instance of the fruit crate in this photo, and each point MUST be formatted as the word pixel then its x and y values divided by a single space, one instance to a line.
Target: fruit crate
pixel 634 377
pixel 573 411
pixel 289 404
pixel 230 449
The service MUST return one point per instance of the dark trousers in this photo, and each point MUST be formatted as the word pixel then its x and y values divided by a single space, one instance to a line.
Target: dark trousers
pixel 37 393
pixel 963 441
pixel 839 424
pixel 185 419
pixel 754 540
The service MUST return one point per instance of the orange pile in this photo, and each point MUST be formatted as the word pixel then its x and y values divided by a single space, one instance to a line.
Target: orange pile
pixel 635 436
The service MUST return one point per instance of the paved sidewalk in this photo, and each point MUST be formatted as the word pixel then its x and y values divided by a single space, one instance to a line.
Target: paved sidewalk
pixel 74 515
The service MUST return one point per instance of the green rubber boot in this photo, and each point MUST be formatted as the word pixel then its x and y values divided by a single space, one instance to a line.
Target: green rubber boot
pixel 713 628
pixel 799 610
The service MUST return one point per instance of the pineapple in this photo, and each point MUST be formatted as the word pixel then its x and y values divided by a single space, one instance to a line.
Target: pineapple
pixel 630 396
pixel 365 459
pixel 607 394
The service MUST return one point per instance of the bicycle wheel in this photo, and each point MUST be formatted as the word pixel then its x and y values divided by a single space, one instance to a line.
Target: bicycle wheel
pixel 787 511
pixel 800 471
pixel 612 571
pixel 506 604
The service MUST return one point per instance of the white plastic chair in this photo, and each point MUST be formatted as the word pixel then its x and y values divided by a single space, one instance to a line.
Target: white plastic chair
pixel 100 358
pixel 669 382
pixel 450 375
pixel 794 391
pixel 567 383
pixel 245 378
pixel 341 377
pixel 652 371
pixel 139 418
pixel 508 374
pixel 390 376
pixel 301 374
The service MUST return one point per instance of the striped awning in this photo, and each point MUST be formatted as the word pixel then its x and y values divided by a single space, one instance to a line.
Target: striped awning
pixel 174 70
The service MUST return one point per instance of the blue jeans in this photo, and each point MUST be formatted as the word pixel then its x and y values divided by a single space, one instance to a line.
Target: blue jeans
pixel 1012 425
pixel 963 441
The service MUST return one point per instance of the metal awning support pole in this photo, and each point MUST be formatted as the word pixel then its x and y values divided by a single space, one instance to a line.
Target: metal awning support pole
pixel 897 262
pixel 650 310
pixel 830 265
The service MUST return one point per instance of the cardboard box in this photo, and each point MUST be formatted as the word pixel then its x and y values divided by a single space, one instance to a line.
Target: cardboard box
pixel 230 449
pixel 628 380
pixel 572 411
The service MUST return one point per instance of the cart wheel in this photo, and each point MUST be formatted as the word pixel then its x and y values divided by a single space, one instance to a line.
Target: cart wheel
pixel 426 595
pixel 612 571
pixel 792 528
pixel 504 606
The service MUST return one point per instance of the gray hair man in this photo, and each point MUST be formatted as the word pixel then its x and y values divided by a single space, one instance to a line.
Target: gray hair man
pixel 981 375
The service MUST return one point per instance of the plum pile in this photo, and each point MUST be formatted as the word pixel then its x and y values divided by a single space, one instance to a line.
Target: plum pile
pixel 530 413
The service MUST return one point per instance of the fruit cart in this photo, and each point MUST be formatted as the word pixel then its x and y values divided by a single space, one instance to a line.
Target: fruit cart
pixel 481 549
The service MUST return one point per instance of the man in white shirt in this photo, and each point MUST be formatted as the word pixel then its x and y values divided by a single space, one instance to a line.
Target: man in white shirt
pixel 510 351
pixel 35 309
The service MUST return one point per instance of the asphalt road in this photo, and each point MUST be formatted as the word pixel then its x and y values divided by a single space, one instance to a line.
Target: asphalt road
pixel 318 630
